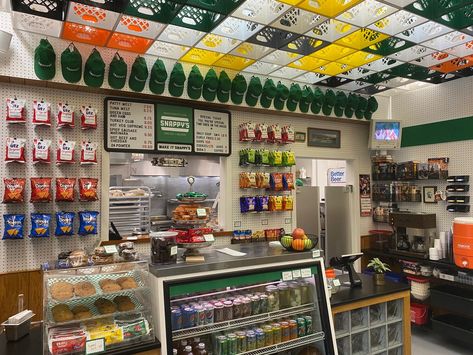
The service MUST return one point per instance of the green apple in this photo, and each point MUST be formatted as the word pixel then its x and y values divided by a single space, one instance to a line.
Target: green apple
pixel 286 241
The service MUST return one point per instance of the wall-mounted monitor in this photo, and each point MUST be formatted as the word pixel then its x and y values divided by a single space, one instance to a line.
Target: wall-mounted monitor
pixel 385 134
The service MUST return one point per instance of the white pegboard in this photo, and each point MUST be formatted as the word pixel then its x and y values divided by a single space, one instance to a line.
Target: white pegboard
pixel 30 253
pixel 437 103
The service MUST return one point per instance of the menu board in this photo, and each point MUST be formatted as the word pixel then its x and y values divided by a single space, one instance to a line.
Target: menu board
pixel 129 126
pixel 211 132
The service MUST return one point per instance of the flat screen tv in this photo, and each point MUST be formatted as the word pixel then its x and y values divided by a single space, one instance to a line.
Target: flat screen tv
pixel 385 134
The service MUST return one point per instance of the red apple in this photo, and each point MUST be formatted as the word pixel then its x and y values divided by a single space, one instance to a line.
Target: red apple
pixel 298 233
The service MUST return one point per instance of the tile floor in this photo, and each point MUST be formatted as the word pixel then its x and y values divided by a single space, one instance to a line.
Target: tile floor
pixel 426 342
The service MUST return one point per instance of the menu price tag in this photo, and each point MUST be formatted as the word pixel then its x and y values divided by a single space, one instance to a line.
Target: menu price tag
pixel 287 275
pixel 110 249
pixel 95 346
pixel 201 212
pixel 296 274
pixel 336 282
pixel 209 237
pixel 173 250
pixel 316 253
pixel 306 273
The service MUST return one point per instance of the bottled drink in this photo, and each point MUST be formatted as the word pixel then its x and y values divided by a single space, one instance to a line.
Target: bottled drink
pixel 188 350
pixel 201 349
pixel 195 344
pixel 182 346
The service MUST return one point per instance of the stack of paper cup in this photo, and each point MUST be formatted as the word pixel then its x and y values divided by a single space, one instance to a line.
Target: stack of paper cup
pixel 443 244
pixel 434 254
pixel 438 246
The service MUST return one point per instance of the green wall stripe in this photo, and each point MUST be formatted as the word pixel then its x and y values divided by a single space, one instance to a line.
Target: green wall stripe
pixel 460 129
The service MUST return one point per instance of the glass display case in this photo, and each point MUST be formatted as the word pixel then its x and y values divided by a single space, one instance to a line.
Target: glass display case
pixel 97 308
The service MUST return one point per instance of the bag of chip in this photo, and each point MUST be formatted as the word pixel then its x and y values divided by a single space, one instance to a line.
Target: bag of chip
pixel 88 153
pixel 262 203
pixel 276 182
pixel 288 203
pixel 88 222
pixel 15 150
pixel 15 111
pixel 14 190
pixel 64 223
pixel 65 189
pixel 288 158
pixel 41 113
pixel 65 115
pixel 65 152
pixel 41 151
pixel 88 117
pixel 41 190
pixel 13 226
pixel 88 189
pixel 244 180
pixel 275 158
pixel 288 181
pixel 263 180
pixel 40 225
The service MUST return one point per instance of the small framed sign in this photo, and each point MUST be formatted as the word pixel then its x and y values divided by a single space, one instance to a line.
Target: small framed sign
pixel 324 138
pixel 299 137
pixel 429 194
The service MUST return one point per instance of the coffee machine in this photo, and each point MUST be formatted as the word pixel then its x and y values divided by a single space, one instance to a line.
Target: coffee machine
pixel 414 233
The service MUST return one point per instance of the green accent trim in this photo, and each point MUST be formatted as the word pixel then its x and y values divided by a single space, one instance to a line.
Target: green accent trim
pixel 210 285
pixel 460 129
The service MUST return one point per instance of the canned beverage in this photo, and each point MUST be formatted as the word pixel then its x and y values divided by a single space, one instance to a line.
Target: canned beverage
pixel 293 329
pixel 219 315
pixel 246 307
pixel 285 332
pixel 232 344
pixel 241 341
pixel 277 333
pixel 255 305
pixel 228 310
pixel 176 319
pixel 301 331
pixel 250 340
pixel 188 317
pixel 260 338
pixel 221 345
pixel 268 335
pixel 263 303
pixel 199 315
pixel 209 313
pixel 308 325
pixel 237 309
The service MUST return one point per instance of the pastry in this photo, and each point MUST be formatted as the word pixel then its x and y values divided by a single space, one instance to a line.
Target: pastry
pixel 124 303
pixel 62 291
pixel 84 289
pixel 81 312
pixel 127 282
pixel 62 313
pixel 80 308
pixel 109 285
pixel 105 306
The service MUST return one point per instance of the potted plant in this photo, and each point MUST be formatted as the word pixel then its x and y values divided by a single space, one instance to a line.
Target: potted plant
pixel 379 269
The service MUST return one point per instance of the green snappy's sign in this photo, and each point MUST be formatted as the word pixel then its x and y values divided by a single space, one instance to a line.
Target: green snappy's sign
pixel 174 128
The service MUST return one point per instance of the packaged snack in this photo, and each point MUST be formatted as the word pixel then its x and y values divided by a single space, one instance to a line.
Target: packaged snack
pixel 88 222
pixel 288 158
pixel 262 203
pixel 262 157
pixel 41 151
pixel 15 150
pixel 261 132
pixel 88 189
pixel 88 118
pixel 41 190
pixel 252 180
pixel 15 111
pixel 288 203
pixel 41 113
pixel 40 225
pixel 65 115
pixel 65 152
pixel 244 180
pixel 263 180
pixel 275 203
pixel 13 226
pixel 88 153
pixel 276 182
pixel 288 181
pixel 274 134
pixel 65 189
pixel 244 157
pixel 287 135
pixel 247 204
pixel 275 158
pixel 247 131
pixel 64 223
pixel 251 156
pixel 14 190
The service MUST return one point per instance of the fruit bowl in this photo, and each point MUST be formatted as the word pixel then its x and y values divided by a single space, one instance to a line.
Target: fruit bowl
pixel 300 244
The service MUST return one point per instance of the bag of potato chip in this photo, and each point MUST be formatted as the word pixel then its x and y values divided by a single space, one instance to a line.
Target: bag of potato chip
pixel 88 222
pixel 40 225
pixel 64 223
pixel 13 226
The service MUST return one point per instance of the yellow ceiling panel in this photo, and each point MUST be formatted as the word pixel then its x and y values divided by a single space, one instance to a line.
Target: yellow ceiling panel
pixel 233 62
pixel 329 8
pixel 291 2
pixel 333 52
pixel 359 58
pixel 362 38
pixel 333 68
pixel 307 63
pixel 201 56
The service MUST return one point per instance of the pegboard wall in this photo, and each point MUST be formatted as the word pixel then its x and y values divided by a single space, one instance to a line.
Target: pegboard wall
pixel 437 103
pixel 29 253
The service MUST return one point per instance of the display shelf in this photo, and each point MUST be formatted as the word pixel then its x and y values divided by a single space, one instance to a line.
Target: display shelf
pixel 241 322
pixel 130 212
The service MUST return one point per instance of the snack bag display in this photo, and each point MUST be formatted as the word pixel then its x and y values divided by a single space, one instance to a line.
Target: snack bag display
pixel 13 226
pixel 65 189
pixel 276 182
pixel 15 150
pixel 262 203
pixel 287 135
pixel 275 158
pixel 247 132
pixel 262 157
pixel 41 113
pixel 64 223
pixel 274 133
pixel 14 190
pixel 41 151
pixel 288 181
pixel 88 153
pixel 40 225
pixel 288 158
pixel 244 180
pixel 88 222
pixel 15 111
pixel 263 180
pixel 261 132
pixel 247 204
pixel 243 157
pixel 88 117
pixel 65 115
pixel 88 189
pixel 65 152
pixel 41 190
pixel 275 203
pixel 288 203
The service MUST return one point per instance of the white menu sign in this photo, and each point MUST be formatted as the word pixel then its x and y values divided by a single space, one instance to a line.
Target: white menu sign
pixel 130 126
pixel 211 132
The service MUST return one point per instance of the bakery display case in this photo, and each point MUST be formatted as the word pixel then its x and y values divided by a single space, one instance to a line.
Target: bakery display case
pixel 100 307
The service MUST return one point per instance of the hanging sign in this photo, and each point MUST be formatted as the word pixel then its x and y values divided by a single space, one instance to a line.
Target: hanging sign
pixel 211 132
pixel 365 195
pixel 174 128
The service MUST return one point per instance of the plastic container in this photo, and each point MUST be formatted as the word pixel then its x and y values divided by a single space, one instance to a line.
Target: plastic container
pixel 197 19
pixel 85 34
pixel 163 247
pixel 129 43
pixel 91 16
pixel 136 26
pixel 36 24
pixel 221 6
pixel 419 313
pixel 463 242
pixel 155 10
pixel 52 9
pixel 16 331
pixel 420 287
pixel 272 37
pixel 110 5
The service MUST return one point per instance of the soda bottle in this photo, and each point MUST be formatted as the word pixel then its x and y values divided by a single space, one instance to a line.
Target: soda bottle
pixel 188 350
pixel 201 349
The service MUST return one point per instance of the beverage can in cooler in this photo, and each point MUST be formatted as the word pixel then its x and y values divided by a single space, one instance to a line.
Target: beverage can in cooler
pixel 221 345
pixel 293 329
pixel 209 313
pixel 228 310
pixel 308 325
pixel 301 331
pixel 188 317
pixel 176 319
pixel 285 332
pixel 268 335
pixel 250 340
pixel 199 315
pixel 241 342
pixel 219 315
pixel 237 309
pixel 232 344
pixel 277 333
pixel 246 307
pixel 260 338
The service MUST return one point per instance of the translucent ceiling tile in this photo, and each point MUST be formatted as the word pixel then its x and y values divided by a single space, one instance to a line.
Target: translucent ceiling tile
pixel 261 11
pixel 398 3
pixel 261 68
pixel 331 30
pixel 411 71
pixel 139 27
pixel 377 77
pixel 129 43
pixel 389 46
pixel 463 50
pixel 329 8
pixel 251 51
pixel 180 35
pixel 454 65
pixel 201 56
pixel 354 85
pixel 435 8
pixel 382 64
pixel 85 34
pixel 411 53
pixel 424 32
pixel 307 63
pixel 333 68
pixel 167 50
pixel 334 81
pixel 222 6
pixel 396 82
pixel 91 16
pixel 366 13
pixel 238 29
pixel 233 62
pixel 216 43
pixel 433 59
pixel 154 10
pixel 311 78
pixel 304 45
pixel 333 52
pixel 460 19
pixel 358 58
pixel 272 37
pixel 197 19
pixel 449 40
pixel 398 22
pixel 298 21
pixel 287 73
pixel 36 24
pixel 356 73
pixel 362 38
pixel 291 2
pixel 281 57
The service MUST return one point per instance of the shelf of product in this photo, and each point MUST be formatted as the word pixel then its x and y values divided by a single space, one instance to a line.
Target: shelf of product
pixel 83 304
pixel 129 208
pixel 262 133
